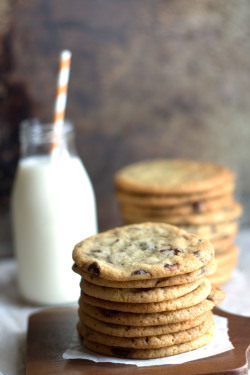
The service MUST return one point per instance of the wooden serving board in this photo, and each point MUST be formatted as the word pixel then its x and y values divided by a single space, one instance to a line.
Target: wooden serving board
pixel 50 331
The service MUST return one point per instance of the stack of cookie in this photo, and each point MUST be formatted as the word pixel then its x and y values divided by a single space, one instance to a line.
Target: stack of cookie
pixel 196 196
pixel 145 291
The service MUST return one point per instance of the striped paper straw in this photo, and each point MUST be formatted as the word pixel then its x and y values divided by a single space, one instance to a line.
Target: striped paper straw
pixel 61 92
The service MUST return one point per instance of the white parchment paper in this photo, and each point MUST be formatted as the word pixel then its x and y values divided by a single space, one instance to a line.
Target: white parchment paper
pixel 220 343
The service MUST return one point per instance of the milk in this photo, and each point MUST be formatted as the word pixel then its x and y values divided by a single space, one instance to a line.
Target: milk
pixel 53 208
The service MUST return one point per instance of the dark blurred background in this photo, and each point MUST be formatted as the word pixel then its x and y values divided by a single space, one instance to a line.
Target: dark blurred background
pixel 149 78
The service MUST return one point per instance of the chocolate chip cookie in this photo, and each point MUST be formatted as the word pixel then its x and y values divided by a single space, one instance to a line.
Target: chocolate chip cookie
pixel 142 251
pixel 161 176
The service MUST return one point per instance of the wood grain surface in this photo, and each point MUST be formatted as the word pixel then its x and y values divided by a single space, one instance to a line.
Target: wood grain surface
pixel 50 332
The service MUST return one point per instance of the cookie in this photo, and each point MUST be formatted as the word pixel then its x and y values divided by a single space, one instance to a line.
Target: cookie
pixel 191 208
pixel 162 200
pixel 161 176
pixel 225 268
pixel 226 263
pixel 227 258
pixel 223 272
pixel 188 300
pixel 139 331
pixel 222 245
pixel 222 215
pixel 142 251
pixel 204 271
pixel 213 232
pixel 147 342
pixel 215 297
pixel 194 196
pixel 222 277
pixel 150 353
pixel 138 295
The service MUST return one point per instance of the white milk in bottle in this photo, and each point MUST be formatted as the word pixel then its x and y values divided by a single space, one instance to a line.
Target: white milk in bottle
pixel 53 208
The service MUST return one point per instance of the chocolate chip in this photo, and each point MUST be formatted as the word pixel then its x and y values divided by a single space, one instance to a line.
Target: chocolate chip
pixel 164 250
pixel 117 240
pixel 161 280
pixel 109 260
pixel 144 245
pixel 203 270
pixel 120 352
pixel 209 298
pixel 138 272
pixel 197 253
pixel 197 206
pixel 96 251
pixel 94 268
pixel 177 251
pixel 172 266
pixel 109 313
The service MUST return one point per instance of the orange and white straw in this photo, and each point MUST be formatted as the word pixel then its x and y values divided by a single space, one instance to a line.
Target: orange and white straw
pixel 62 90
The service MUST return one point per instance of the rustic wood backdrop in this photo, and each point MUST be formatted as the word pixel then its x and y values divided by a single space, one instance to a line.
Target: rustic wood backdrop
pixel 149 78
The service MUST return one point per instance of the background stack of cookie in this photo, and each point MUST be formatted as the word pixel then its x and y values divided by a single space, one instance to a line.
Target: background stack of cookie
pixel 145 291
pixel 195 196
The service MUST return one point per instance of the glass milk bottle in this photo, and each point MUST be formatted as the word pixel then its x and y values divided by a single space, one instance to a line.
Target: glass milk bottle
pixel 53 208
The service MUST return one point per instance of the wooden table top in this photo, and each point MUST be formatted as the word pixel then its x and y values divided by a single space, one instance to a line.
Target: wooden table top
pixel 50 332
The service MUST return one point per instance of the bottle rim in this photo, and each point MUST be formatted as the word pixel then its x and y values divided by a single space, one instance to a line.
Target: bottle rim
pixel 37 132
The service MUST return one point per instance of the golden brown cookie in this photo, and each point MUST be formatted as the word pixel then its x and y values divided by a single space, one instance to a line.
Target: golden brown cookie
pixel 204 271
pixel 150 353
pixel 138 295
pixel 139 331
pixel 213 232
pixel 162 176
pixel 215 297
pixel 222 277
pixel 222 245
pixel 147 342
pixel 224 271
pixel 142 251
pixel 222 215
pixel 162 200
pixel 188 300
pixel 187 209
pixel 227 258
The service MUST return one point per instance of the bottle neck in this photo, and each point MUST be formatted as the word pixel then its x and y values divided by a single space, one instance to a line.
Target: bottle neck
pixel 39 139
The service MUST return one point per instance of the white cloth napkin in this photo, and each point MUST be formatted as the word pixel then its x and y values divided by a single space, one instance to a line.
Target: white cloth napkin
pixel 13 321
